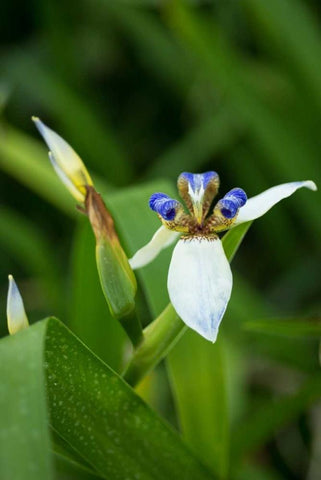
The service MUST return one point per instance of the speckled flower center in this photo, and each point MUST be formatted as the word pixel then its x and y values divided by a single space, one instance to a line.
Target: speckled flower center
pixel 199 218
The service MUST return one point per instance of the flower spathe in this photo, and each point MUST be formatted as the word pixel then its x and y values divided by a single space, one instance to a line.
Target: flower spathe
pixel 199 278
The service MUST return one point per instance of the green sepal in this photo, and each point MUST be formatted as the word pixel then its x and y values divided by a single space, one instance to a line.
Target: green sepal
pixel 117 279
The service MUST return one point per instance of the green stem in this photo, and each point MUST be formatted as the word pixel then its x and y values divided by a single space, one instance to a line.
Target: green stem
pixel 159 337
pixel 132 327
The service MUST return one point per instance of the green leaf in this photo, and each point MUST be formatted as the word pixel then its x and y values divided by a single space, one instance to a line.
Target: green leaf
pixel 24 436
pixel 104 421
pixel 233 239
pixel 91 409
pixel 286 327
pixel 198 376
pixel 65 469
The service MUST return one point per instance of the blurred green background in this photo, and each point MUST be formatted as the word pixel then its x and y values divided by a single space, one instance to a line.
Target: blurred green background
pixel 146 89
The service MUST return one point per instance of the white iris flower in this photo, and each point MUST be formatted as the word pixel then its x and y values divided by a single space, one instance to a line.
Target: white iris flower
pixel 199 278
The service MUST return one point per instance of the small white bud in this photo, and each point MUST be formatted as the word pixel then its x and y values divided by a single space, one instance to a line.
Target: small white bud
pixel 16 315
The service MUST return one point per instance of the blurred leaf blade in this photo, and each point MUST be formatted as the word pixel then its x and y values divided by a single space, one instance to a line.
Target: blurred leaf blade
pixel 27 161
pixel 27 244
pixel 233 239
pixel 286 327
pixel 198 373
pixel 271 416
pixel 211 136
pixel 299 40
pixel 80 117
pixel 225 68
pixel 24 436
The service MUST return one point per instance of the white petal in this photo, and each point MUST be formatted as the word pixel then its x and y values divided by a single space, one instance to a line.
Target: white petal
pixel 67 161
pixel 162 238
pixel 200 284
pixel 79 196
pixel 257 206
pixel 16 315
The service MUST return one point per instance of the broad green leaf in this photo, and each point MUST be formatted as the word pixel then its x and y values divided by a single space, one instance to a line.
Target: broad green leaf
pixel 65 469
pixel 262 424
pixel 24 436
pixel 198 372
pixel 103 420
pixel 286 327
pixel 91 409
pixel 65 455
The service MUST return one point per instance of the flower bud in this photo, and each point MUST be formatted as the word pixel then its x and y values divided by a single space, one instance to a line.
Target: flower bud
pixel 116 276
pixel 66 162
pixel 16 315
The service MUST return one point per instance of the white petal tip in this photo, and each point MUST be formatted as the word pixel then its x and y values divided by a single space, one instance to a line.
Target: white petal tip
pixel 311 185
pixel 210 336
pixel 161 239
pixel 257 206
pixel 40 126
pixel 16 315
pixel 134 262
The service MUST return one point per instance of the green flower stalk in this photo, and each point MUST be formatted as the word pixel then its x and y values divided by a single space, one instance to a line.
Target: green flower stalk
pixel 16 316
pixel 116 276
